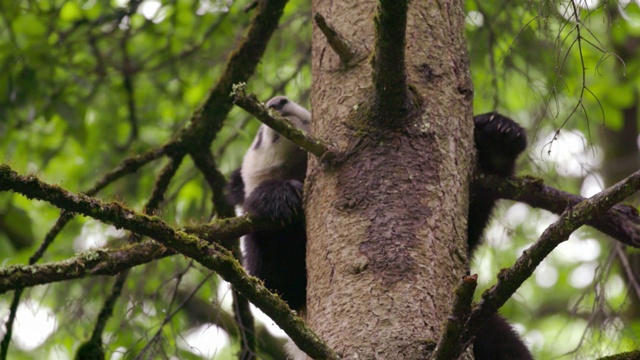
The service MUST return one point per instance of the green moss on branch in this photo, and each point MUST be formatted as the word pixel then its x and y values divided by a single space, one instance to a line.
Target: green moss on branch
pixel 282 125
pixel 212 256
pixel 392 102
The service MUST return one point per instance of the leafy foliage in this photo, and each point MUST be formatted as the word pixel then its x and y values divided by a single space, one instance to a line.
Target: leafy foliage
pixel 85 85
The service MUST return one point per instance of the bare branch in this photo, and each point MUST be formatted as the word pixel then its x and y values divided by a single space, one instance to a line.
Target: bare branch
pixel 129 166
pixel 620 222
pixel 205 162
pixel 128 71
pixel 509 280
pixel 156 339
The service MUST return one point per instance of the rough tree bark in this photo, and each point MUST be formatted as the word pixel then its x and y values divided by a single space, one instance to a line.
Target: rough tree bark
pixel 387 219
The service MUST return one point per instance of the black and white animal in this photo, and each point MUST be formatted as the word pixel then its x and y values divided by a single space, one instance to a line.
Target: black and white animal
pixel 269 185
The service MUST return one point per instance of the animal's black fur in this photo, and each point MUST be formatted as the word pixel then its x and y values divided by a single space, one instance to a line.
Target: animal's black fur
pixel 496 340
pixel 278 257
pixel 499 140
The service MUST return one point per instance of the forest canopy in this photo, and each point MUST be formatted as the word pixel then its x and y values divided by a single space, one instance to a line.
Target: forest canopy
pixel 128 101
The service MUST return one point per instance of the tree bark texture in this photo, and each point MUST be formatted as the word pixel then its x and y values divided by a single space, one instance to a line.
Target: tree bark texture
pixel 386 221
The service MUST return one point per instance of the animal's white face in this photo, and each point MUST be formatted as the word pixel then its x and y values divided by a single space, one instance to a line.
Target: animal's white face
pixel 272 156
pixel 299 116
pixel 269 153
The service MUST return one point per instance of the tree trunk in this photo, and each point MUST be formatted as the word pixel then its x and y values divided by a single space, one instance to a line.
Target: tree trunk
pixel 387 220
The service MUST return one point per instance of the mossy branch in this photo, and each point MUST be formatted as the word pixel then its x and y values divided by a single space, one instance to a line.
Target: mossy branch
pixel 509 280
pixel 127 166
pixel 205 124
pixel 212 256
pixel 337 42
pixel 210 116
pixel 205 162
pixel 391 104
pixel 208 119
pixel 94 344
pixel 282 125
pixel 87 263
pixel 113 261
pixel 621 222
pixel 450 342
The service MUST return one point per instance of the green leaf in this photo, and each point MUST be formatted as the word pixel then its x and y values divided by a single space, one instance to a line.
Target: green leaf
pixel 70 11
pixel 29 25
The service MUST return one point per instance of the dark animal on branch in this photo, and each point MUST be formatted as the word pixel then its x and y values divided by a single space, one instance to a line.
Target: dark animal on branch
pixel 269 185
